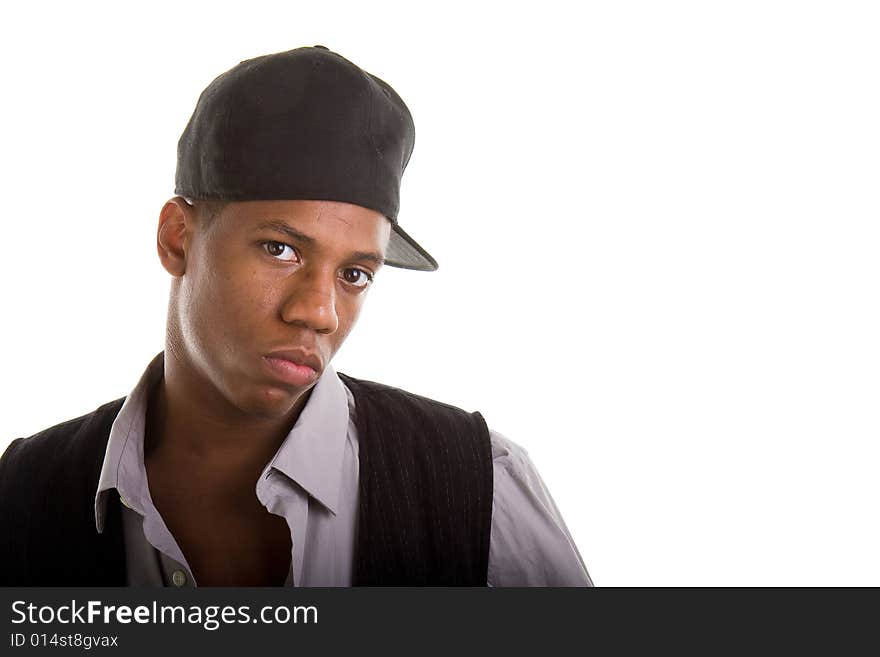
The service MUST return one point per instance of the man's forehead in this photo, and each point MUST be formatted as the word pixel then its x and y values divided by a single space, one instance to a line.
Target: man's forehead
pixel 315 224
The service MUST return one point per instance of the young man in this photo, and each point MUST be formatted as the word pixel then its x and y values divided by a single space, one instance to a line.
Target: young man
pixel 241 457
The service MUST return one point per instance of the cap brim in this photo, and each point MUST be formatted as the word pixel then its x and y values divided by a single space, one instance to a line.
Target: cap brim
pixel 404 252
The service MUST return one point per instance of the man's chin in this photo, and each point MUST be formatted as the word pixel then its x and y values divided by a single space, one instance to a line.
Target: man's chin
pixel 274 402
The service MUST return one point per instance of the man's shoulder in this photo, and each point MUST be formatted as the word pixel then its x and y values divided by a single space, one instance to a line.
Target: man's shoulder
pixel 379 391
pixel 47 505
pixel 56 442
pixel 384 409
pixel 505 452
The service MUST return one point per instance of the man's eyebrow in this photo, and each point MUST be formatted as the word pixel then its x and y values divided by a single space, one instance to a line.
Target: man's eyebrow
pixel 281 227
pixel 277 225
pixel 369 256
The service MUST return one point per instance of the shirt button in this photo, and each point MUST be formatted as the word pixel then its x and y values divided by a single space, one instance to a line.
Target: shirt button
pixel 178 578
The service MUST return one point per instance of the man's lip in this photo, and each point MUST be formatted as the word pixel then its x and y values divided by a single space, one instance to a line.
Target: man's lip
pixel 290 373
pixel 298 357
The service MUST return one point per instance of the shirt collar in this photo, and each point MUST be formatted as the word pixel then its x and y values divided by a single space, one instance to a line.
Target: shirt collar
pixel 311 454
pixel 123 467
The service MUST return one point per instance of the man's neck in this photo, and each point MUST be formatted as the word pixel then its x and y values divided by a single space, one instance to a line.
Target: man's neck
pixel 189 421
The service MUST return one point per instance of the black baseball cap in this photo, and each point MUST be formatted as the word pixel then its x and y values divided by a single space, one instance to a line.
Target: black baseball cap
pixel 302 124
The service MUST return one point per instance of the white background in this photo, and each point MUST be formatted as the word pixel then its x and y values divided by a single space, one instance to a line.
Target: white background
pixel 657 228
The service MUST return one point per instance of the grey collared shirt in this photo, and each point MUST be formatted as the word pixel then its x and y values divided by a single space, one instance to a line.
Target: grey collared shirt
pixel 312 482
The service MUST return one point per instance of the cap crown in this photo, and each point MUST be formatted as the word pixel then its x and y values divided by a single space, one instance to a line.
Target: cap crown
pixel 301 124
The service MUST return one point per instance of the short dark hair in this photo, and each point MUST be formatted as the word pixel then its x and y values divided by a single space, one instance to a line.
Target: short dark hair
pixel 207 208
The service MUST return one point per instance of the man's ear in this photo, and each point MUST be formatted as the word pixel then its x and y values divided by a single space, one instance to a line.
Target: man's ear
pixel 174 236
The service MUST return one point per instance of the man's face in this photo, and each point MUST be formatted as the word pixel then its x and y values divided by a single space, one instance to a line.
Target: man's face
pixel 270 291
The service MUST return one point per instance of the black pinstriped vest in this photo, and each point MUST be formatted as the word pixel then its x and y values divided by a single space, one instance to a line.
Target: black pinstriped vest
pixel 424 515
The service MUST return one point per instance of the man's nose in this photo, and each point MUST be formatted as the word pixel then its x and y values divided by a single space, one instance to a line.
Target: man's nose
pixel 311 301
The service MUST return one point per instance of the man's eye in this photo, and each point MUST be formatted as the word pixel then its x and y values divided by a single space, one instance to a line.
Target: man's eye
pixel 281 251
pixel 357 277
